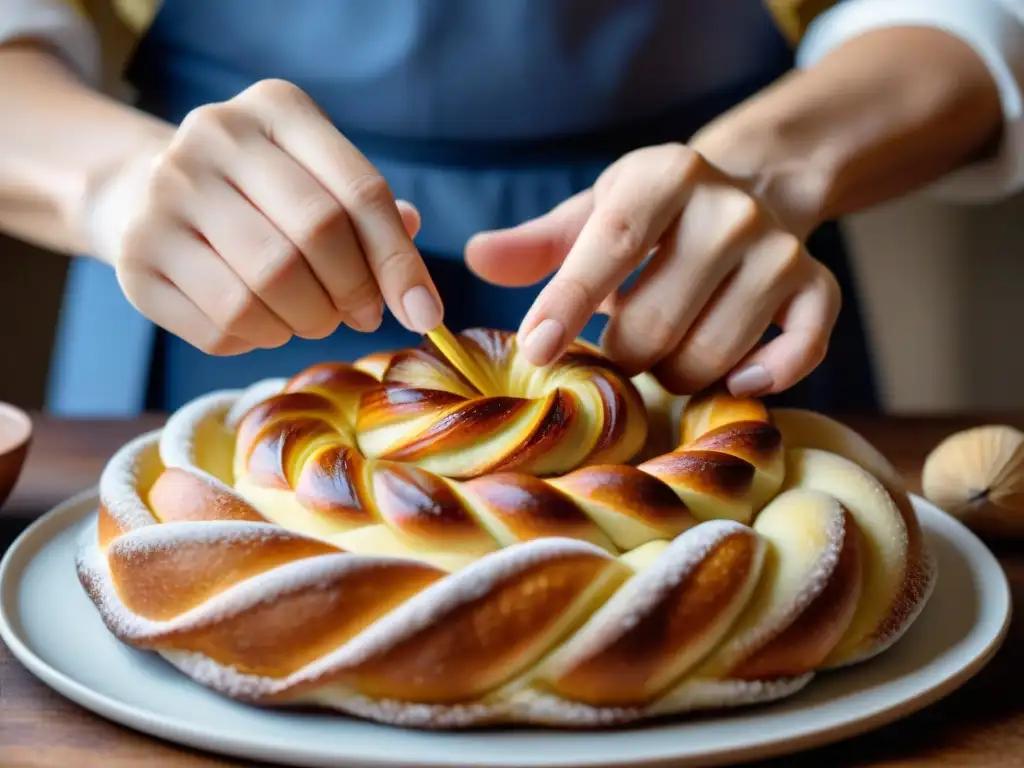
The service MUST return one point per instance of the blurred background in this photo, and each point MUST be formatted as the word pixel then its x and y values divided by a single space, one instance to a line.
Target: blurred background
pixel 942 286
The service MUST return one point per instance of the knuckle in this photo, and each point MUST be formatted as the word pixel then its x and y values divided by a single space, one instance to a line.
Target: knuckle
pixel 701 361
pixel 369 191
pixel 276 100
pixel 317 218
pixel 575 298
pixel 238 306
pixel 789 255
pixel 277 260
pixel 395 268
pixel 390 264
pixel 221 120
pixel 355 295
pixel 196 121
pixel 217 344
pixel 274 90
pixel 640 336
pixel 682 161
pixel 169 180
pixel 624 233
pixel 132 274
pixel 211 129
pixel 747 213
pixel 657 328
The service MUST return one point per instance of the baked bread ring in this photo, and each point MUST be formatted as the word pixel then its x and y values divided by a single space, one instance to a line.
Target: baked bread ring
pixel 382 539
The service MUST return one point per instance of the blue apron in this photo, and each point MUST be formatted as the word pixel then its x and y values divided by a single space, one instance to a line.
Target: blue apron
pixel 483 113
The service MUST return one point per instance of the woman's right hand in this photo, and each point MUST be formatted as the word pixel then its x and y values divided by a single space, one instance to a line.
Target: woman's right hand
pixel 258 221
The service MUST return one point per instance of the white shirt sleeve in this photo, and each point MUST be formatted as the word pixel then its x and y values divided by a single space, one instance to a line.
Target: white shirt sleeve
pixel 59 24
pixel 993 28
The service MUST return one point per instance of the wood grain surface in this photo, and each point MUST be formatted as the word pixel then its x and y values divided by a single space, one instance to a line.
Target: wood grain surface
pixel 981 725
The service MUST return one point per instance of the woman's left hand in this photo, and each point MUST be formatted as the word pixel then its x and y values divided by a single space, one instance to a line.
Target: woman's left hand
pixel 723 268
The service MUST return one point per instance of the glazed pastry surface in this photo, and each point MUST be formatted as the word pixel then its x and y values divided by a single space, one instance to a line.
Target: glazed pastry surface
pixel 581 550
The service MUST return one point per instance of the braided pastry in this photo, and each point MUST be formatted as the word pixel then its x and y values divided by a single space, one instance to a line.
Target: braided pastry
pixel 382 539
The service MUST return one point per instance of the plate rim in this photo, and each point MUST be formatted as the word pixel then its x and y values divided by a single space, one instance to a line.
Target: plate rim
pixel 76 508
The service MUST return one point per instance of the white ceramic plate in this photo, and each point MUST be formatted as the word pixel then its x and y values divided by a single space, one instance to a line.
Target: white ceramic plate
pixel 53 629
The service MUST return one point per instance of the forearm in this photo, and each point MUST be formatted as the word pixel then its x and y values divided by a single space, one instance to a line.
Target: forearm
pixel 882 115
pixel 60 142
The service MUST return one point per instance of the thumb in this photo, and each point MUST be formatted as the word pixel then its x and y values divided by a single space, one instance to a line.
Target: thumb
pixel 410 217
pixel 525 254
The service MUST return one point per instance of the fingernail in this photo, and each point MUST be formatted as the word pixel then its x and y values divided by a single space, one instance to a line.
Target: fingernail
pixel 750 381
pixel 542 343
pixel 421 309
pixel 367 317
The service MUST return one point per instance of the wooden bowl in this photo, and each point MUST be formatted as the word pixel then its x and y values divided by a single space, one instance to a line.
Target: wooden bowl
pixel 15 436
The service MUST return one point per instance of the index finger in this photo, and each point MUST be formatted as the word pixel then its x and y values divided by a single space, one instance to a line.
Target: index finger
pixel 627 221
pixel 294 122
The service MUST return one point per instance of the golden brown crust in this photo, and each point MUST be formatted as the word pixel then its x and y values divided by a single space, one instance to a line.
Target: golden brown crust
pixel 423 507
pixel 390 404
pixel 632 492
pixel 621 674
pixel 391 542
pixel 709 472
pixel 300 442
pixel 160 583
pixel 714 408
pixel 179 496
pixel 919 578
pixel 529 508
pixel 278 637
pixel 805 644
pixel 108 527
pixel 479 645
pixel 332 483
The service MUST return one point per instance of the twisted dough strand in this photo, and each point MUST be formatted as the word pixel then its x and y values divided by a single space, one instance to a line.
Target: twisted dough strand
pixel 310 442
pixel 270 545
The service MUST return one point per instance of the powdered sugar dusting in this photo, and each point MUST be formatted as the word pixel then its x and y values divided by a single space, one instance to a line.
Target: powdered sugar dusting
pixel 541 708
pixel 769 625
pixel 525 706
pixel 411 714
pixel 120 480
pixel 266 587
pixel 178 439
pixel 411 617
pixel 528 706
pixel 928 575
pixel 442 597
pixel 702 693
pixel 173 535
pixel 642 594
pixel 125 482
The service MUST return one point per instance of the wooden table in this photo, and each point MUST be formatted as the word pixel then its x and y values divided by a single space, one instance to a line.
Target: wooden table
pixel 979 726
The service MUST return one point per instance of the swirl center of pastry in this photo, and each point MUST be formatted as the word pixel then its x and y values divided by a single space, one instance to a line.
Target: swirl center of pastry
pixel 384 449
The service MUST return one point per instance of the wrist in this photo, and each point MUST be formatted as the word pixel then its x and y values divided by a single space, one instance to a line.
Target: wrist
pixel 64 149
pixel 883 115
pixel 111 192
pixel 769 153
